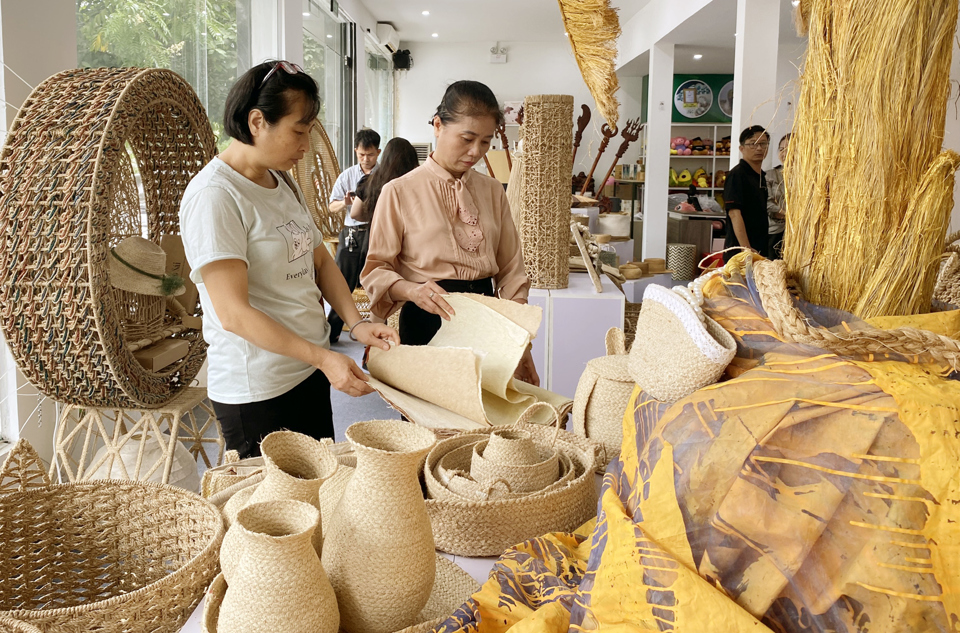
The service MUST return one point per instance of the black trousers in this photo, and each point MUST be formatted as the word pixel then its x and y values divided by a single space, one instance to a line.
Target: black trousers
pixel 305 409
pixel 417 326
pixel 351 256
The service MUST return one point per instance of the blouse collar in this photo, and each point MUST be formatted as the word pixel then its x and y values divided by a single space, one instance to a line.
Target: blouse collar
pixel 434 168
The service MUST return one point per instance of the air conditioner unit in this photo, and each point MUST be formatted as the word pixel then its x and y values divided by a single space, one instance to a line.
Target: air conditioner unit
pixel 423 151
pixel 388 38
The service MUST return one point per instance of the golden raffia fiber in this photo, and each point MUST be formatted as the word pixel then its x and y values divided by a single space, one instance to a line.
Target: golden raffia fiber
pixel 593 28
pixel 868 192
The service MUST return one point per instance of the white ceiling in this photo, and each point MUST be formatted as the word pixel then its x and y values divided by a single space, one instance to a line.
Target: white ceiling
pixel 481 20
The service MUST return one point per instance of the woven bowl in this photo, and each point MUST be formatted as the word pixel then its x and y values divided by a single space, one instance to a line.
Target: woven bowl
pixel 126 557
pixel 520 477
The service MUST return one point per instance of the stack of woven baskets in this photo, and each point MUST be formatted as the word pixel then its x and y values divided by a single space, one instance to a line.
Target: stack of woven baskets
pixel 490 489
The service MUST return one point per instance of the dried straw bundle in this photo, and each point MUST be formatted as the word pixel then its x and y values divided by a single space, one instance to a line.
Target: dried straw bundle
pixel 868 197
pixel 593 28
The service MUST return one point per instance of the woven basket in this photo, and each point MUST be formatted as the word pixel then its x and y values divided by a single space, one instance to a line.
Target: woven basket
pixel 602 396
pixel 316 174
pixel 9 625
pixel 539 190
pixel 487 528
pixel 682 260
pixel 519 477
pixel 128 557
pixel 69 195
pixel 631 312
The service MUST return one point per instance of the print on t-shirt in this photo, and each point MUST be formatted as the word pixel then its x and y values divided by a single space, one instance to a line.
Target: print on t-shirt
pixel 299 241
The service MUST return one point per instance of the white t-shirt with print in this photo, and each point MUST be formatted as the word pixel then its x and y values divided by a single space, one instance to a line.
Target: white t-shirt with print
pixel 224 215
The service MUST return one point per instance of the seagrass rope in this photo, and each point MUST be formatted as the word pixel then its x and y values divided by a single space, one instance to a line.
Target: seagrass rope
pixel 316 174
pixel 67 173
pixel 789 322
pixel 540 197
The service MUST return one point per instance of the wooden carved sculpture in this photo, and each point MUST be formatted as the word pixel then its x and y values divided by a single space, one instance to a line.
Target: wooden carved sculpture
pixel 607 135
pixel 582 122
pixel 630 133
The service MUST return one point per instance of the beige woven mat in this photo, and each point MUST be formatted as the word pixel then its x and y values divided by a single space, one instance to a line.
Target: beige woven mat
pixel 464 377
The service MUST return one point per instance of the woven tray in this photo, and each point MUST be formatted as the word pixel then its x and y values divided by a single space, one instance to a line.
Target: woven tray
pixel 106 556
pixel 487 528
pixel 70 194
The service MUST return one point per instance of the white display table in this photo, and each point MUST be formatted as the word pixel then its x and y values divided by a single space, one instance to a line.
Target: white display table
pixel 575 322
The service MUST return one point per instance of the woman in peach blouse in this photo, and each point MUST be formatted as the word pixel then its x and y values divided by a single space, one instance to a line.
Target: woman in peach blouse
pixel 445 227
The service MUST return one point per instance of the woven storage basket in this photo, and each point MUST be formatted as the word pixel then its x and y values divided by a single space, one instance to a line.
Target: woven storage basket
pixel 68 197
pixel 682 260
pixel 316 174
pixel 9 625
pixel 487 528
pixel 126 557
pixel 602 396
pixel 520 477
pixel 631 312
pixel 452 588
pixel 539 190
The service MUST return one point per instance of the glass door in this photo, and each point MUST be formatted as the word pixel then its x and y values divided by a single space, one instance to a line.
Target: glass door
pixel 378 90
pixel 326 46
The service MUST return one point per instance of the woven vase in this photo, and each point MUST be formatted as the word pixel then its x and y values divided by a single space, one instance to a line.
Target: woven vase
pixel 279 583
pixel 539 190
pixel 296 467
pixel 379 550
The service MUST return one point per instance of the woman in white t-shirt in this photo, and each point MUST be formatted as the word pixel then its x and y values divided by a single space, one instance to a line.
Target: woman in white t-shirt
pixel 262 270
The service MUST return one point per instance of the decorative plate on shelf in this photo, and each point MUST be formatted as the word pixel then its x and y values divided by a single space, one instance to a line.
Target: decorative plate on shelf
pixel 725 101
pixel 693 98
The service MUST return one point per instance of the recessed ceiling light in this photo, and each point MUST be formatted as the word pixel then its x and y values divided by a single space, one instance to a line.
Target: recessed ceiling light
pixel 328 35
pixel 698 56
pixel 306 14
pixel 434 35
pixel 424 13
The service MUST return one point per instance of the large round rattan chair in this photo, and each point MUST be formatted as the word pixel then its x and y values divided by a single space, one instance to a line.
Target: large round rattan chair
pixel 316 174
pixel 94 156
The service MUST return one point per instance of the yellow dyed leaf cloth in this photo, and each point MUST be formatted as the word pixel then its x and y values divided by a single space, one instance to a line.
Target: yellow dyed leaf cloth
pixel 805 493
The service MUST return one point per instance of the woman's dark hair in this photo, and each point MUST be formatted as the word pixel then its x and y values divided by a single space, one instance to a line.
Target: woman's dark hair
pixel 467 98
pixel 274 99
pixel 752 131
pixel 398 158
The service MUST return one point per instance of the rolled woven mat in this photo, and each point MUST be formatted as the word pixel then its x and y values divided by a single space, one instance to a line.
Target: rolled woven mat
pixel 69 196
pixel 682 260
pixel 452 588
pixel 539 190
pixel 128 557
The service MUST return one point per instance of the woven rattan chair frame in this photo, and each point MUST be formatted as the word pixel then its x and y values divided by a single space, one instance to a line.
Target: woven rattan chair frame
pixel 316 174
pixel 67 179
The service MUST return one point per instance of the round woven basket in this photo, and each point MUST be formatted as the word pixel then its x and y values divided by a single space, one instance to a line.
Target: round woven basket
pixel 127 557
pixel 520 477
pixel 603 394
pixel 539 191
pixel 9 625
pixel 69 196
pixel 316 174
pixel 487 528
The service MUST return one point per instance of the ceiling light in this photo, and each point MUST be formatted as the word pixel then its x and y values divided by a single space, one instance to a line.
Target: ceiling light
pixel 306 14
pixel 698 56
pixel 424 13
pixel 434 35
pixel 328 35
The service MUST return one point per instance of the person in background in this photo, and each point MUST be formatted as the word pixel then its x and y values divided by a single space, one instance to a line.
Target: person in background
pixel 399 158
pixel 745 195
pixel 446 228
pixel 262 270
pixel 775 202
pixel 355 235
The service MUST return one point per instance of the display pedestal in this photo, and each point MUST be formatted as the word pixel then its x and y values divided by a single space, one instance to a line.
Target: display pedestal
pixel 575 322
pixel 83 431
pixel 633 288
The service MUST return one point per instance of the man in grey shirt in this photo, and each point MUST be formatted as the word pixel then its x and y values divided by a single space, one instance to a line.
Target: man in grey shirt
pixel 355 235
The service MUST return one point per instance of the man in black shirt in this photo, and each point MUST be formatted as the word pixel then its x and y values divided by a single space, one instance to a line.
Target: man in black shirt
pixel 745 195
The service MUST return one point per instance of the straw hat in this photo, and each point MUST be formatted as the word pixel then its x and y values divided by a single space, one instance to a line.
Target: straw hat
pixel 139 265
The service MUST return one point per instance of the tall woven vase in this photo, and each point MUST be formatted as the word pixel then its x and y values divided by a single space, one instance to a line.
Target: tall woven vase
pixel 539 191
pixel 379 550
pixel 296 466
pixel 279 583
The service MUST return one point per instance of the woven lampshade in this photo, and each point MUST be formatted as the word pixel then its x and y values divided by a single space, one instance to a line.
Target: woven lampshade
pixel 70 195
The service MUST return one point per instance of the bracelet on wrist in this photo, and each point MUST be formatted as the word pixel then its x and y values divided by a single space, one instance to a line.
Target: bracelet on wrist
pixel 352 337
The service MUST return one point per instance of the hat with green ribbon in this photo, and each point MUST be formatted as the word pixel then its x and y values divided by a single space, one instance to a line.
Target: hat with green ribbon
pixel 139 265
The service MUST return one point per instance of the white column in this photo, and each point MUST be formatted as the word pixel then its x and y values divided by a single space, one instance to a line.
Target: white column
pixel 755 68
pixel 291 31
pixel 276 30
pixel 659 109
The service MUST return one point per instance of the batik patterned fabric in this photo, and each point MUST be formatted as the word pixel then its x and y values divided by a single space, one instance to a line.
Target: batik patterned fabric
pixel 806 493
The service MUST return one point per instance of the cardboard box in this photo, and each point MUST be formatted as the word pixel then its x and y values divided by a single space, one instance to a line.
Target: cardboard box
pixel 162 353
pixel 177 264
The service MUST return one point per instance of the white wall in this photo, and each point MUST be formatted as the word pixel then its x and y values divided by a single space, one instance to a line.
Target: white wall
pixel 951 137
pixel 531 68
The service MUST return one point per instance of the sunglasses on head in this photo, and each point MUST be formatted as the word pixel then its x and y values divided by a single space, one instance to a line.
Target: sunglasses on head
pixel 288 67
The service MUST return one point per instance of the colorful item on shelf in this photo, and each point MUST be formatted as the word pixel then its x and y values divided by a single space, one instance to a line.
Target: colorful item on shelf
pixel 673 178
pixel 685 178
pixel 719 179
pixel 275 580
pixel 379 550
pixel 701 178
pixel 680 146
pixel 148 117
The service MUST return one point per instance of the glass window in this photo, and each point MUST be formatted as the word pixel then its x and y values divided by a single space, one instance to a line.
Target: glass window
pixel 323 52
pixel 379 90
pixel 195 38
